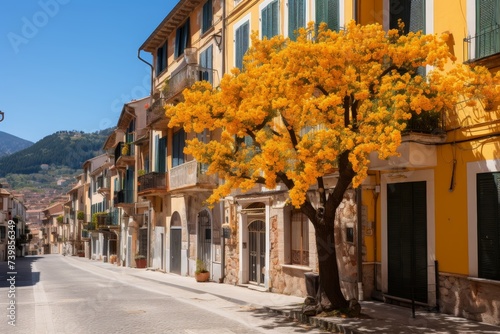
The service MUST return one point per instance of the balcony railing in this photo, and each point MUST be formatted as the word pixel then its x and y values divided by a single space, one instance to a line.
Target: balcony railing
pixel 189 174
pixel 482 45
pixel 426 122
pixel 152 181
pixel 119 152
pixel 108 219
pixel 156 111
pixel 179 80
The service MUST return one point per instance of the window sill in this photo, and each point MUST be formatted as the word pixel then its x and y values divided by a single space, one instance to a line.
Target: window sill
pixel 484 280
pixel 296 266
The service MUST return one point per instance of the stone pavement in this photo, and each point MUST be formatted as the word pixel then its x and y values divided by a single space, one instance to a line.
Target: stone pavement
pixel 376 317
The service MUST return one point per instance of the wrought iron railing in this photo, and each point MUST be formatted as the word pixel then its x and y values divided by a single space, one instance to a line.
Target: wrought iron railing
pixel 482 45
pixel 153 180
pixel 426 122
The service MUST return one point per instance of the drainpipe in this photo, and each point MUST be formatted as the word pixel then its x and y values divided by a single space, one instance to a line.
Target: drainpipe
pixel 223 43
pixel 359 243
pixel 151 66
pixel 223 242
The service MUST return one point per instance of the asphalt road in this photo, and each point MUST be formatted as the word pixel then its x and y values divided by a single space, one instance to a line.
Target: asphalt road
pixel 50 295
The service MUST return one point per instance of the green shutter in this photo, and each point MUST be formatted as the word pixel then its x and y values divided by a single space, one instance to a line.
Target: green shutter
pixel 487 27
pixel 269 16
pixel 241 44
pixel 328 11
pixel 296 17
pixel 162 153
pixel 407 240
pixel 488 225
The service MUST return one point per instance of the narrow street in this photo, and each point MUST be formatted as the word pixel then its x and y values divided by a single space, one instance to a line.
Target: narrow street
pixel 56 294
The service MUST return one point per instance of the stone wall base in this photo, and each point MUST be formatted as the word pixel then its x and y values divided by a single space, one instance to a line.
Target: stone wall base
pixel 471 298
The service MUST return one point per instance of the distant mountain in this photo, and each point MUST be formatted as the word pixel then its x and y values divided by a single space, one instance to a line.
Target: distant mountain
pixel 62 149
pixel 11 144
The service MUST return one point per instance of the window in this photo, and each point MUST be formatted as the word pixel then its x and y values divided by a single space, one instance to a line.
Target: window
pixel 299 239
pixel 488 225
pixel 161 59
pixel 207 16
pixel 487 27
pixel 3 232
pixel 161 153
pixel 206 64
pixel 412 13
pixel 178 144
pixel 328 11
pixel 204 137
pixel 242 35
pixel 296 17
pixel 269 19
pixel 182 39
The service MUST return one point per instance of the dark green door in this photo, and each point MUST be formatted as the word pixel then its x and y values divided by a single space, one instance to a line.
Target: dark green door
pixel 407 240
pixel 175 250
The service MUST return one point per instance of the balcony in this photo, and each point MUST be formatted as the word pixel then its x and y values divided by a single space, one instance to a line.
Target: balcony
pixel 152 183
pixel 190 175
pixel 484 48
pixel 123 198
pixel 103 185
pixel 179 80
pixel 105 221
pixel 124 155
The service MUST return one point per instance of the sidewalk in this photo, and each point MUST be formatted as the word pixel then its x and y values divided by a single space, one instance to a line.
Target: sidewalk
pixel 376 317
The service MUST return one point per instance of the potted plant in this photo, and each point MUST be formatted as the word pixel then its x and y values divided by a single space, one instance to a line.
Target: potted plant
pixel 140 261
pixel 80 215
pixel 201 274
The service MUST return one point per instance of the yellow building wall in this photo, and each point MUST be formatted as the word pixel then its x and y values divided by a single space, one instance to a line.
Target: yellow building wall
pixel 451 207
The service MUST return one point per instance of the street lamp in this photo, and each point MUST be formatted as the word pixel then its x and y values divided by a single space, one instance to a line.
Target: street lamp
pixel 1 115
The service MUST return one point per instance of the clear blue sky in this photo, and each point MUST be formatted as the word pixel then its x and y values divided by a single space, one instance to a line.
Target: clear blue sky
pixel 71 64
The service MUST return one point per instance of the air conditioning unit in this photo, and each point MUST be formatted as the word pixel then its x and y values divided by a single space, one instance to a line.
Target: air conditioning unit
pixel 191 55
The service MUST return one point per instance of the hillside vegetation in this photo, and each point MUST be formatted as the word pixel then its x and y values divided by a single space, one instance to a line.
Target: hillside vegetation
pixel 68 149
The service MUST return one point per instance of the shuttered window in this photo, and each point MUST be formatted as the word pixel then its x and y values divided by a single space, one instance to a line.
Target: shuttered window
pixel 182 39
pixel 241 44
pixel 206 64
pixel 207 16
pixel 162 153
pixel 488 225
pixel 328 11
pixel 411 12
pixel 296 17
pixel 161 59
pixel 269 17
pixel 487 27
pixel 178 144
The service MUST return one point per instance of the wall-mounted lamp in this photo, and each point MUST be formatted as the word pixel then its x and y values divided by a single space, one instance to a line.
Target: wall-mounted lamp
pixel 218 39
pixel 1 115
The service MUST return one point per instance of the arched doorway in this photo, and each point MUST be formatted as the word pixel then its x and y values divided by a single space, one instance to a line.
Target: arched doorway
pixel 257 251
pixel 175 243
pixel 205 238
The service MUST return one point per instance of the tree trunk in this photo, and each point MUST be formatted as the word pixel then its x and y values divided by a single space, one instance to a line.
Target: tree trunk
pixel 328 267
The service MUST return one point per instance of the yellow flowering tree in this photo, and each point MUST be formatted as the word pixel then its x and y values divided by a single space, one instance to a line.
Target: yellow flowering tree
pixel 300 110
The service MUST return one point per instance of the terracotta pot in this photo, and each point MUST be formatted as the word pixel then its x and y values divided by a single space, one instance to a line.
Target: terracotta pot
pixel 140 263
pixel 202 277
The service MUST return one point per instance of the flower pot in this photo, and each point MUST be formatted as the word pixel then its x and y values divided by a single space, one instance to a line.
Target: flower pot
pixel 140 263
pixel 202 277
